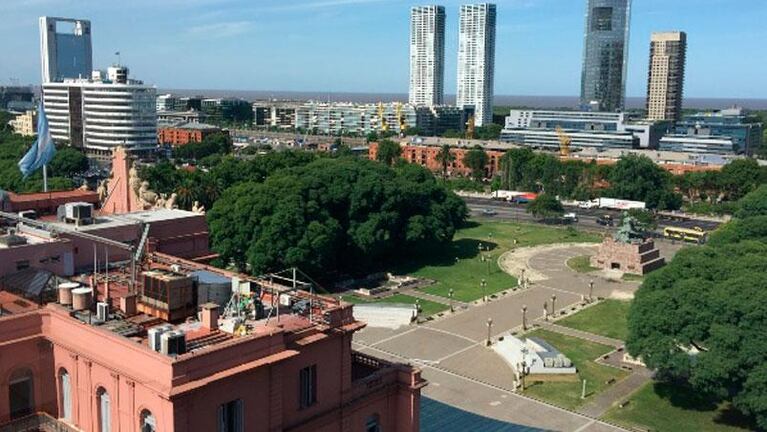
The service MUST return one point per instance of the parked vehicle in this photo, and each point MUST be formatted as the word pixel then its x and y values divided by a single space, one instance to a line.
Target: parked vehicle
pixel 605 220
pixel 570 218
pixel 613 204
pixel 489 212
pixel 524 198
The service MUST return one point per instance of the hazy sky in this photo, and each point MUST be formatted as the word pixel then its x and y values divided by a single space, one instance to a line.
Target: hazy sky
pixel 362 45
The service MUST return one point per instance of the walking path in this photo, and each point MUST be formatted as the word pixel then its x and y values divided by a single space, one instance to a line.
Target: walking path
pixel 414 292
pixel 614 394
pixel 591 337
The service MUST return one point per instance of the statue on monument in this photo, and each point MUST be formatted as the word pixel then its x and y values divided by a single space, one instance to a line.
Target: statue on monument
pixel 629 230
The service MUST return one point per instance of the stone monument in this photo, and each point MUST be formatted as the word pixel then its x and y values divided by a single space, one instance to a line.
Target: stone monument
pixel 628 251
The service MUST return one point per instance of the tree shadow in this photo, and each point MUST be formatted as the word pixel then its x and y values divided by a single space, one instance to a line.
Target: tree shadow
pixel 446 256
pixel 681 395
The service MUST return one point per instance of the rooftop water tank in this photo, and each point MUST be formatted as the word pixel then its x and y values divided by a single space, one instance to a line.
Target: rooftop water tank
pixel 65 292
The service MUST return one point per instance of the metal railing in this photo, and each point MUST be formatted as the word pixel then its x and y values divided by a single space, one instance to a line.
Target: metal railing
pixel 38 422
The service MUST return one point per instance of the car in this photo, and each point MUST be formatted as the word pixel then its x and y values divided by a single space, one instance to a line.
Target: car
pixel 605 220
pixel 570 218
pixel 489 212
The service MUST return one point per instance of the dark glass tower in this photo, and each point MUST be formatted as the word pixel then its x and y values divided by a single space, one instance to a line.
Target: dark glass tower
pixel 605 54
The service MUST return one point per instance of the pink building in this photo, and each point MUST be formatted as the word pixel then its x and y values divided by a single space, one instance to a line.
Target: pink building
pixel 284 364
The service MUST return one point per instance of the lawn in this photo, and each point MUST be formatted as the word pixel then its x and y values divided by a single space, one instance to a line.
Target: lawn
pixel 668 407
pixel 608 318
pixel 428 308
pixel 461 266
pixel 582 353
pixel 630 277
pixel 581 264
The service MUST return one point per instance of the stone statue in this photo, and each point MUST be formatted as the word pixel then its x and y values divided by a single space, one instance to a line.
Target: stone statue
pixel 197 208
pixel 134 181
pixel 84 186
pixel 102 191
pixel 161 201
pixel 629 230
pixel 170 204
pixel 147 197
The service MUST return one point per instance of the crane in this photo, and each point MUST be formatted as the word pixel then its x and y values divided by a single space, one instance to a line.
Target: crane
pixel 470 127
pixel 564 142
pixel 382 119
pixel 401 118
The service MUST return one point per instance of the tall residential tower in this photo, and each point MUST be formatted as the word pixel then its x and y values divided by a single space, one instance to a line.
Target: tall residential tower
pixel 605 54
pixel 665 82
pixel 65 48
pixel 427 55
pixel 476 60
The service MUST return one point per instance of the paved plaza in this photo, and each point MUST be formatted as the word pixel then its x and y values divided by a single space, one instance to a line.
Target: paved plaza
pixel 463 372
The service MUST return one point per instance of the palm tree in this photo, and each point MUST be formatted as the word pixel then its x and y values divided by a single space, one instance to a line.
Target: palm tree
pixel 445 157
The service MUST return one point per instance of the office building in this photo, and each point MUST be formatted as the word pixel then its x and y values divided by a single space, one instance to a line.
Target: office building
pixel 700 144
pixel 476 60
pixel 665 81
pixel 25 124
pixel 568 120
pixel 427 55
pixel 729 123
pixel 227 111
pixel 100 114
pixel 605 54
pixel 436 120
pixel 166 102
pixel 549 139
pixel 65 49
pixel 275 114
pixel 17 98
pixel 354 119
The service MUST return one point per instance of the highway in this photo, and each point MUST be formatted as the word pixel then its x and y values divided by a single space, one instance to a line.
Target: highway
pixel 587 218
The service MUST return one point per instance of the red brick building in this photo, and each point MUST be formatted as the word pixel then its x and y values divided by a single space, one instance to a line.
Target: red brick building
pixel 183 134
pixel 426 156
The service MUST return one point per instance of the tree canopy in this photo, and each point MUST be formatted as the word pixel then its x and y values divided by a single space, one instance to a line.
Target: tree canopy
pixel 639 178
pixel 218 143
pixel 334 216
pixel 388 152
pixel 476 160
pixel 546 206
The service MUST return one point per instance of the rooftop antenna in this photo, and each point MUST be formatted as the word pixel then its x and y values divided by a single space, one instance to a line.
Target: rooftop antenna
pixel 106 274
pixel 119 62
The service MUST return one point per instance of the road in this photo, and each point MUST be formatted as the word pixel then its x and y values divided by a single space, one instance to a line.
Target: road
pixel 586 217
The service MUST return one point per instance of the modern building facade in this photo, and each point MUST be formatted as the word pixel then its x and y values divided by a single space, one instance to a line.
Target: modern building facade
pixel 476 60
pixel 275 114
pixel 166 102
pixel 355 119
pixel 665 81
pixel 100 114
pixel 701 144
pixel 427 55
pixel 605 54
pixel 730 123
pixel 17 98
pixel 25 124
pixel 65 49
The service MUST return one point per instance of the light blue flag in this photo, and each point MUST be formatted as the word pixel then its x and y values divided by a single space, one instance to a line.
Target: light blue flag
pixel 43 150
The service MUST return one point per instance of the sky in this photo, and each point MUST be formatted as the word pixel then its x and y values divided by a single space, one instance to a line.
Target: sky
pixel 362 45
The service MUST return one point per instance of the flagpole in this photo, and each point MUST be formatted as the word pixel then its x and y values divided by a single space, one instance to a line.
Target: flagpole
pixel 45 178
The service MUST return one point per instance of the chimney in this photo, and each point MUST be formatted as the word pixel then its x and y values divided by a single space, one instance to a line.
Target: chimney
pixel 128 304
pixel 209 316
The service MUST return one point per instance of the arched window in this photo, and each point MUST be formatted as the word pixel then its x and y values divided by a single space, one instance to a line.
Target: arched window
pixel 65 398
pixel 20 393
pixel 105 413
pixel 148 423
pixel 373 424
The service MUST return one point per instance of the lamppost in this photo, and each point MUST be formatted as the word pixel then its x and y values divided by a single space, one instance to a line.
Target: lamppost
pixel 417 309
pixel 450 296
pixel 483 284
pixel 553 305
pixel 591 291
pixel 489 330
pixel 523 370
pixel 524 318
pixel 545 311
pixel 524 284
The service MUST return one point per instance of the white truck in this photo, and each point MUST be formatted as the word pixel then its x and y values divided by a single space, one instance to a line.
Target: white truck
pixel 506 195
pixel 612 204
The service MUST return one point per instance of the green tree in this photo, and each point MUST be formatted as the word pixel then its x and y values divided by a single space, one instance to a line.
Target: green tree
pixel 639 178
pixel 546 206
pixel 67 162
pixel 452 133
pixel 489 132
pixel 388 152
pixel 218 143
pixel 445 157
pixel 740 177
pixel 476 160
pixel 412 131
pixel 753 204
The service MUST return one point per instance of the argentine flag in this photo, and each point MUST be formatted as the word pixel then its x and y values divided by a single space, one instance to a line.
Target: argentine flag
pixel 43 150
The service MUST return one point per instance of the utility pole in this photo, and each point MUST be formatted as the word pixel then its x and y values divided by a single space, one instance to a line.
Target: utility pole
pixel 553 305
pixel 524 318
pixel 483 284
pixel 450 296
pixel 489 330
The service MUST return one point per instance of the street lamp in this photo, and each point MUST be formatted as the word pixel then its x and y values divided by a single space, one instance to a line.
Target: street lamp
pixel 524 284
pixel 523 370
pixel 489 329
pixel 450 296
pixel 483 284
pixel 591 291
pixel 546 311
pixel 553 305
pixel 524 318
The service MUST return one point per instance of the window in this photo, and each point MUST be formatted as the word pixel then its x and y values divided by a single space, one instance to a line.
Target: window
pixel 65 398
pixel 21 265
pixel 20 394
pixel 230 416
pixel 602 19
pixel 373 424
pixel 308 390
pixel 105 413
pixel 148 423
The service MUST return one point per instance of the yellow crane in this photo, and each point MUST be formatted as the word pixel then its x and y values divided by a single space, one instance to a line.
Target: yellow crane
pixel 564 142
pixel 470 127
pixel 401 118
pixel 382 118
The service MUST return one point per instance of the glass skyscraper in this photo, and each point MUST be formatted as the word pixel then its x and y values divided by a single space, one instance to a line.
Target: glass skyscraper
pixel 605 54
pixel 65 48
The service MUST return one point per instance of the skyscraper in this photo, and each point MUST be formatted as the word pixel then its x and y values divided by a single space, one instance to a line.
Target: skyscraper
pixel 65 48
pixel 605 54
pixel 476 60
pixel 665 82
pixel 427 55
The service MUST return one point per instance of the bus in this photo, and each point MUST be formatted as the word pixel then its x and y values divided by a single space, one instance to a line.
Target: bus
pixel 694 235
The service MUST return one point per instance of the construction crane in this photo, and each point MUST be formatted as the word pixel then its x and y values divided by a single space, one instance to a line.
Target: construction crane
pixel 470 125
pixel 381 117
pixel 564 142
pixel 401 118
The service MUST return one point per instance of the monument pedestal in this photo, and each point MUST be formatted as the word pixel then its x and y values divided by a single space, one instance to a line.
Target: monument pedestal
pixel 636 257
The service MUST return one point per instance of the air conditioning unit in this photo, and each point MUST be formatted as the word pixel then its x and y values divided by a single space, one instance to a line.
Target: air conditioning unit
pixel 78 213
pixel 286 300
pixel 102 311
pixel 173 343
pixel 154 336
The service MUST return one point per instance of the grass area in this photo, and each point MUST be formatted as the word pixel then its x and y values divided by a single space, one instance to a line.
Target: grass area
pixel 608 318
pixel 461 266
pixel 672 407
pixel 629 277
pixel 582 353
pixel 428 308
pixel 581 264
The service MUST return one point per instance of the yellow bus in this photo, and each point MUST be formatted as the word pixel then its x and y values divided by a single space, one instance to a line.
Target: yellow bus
pixel 694 235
